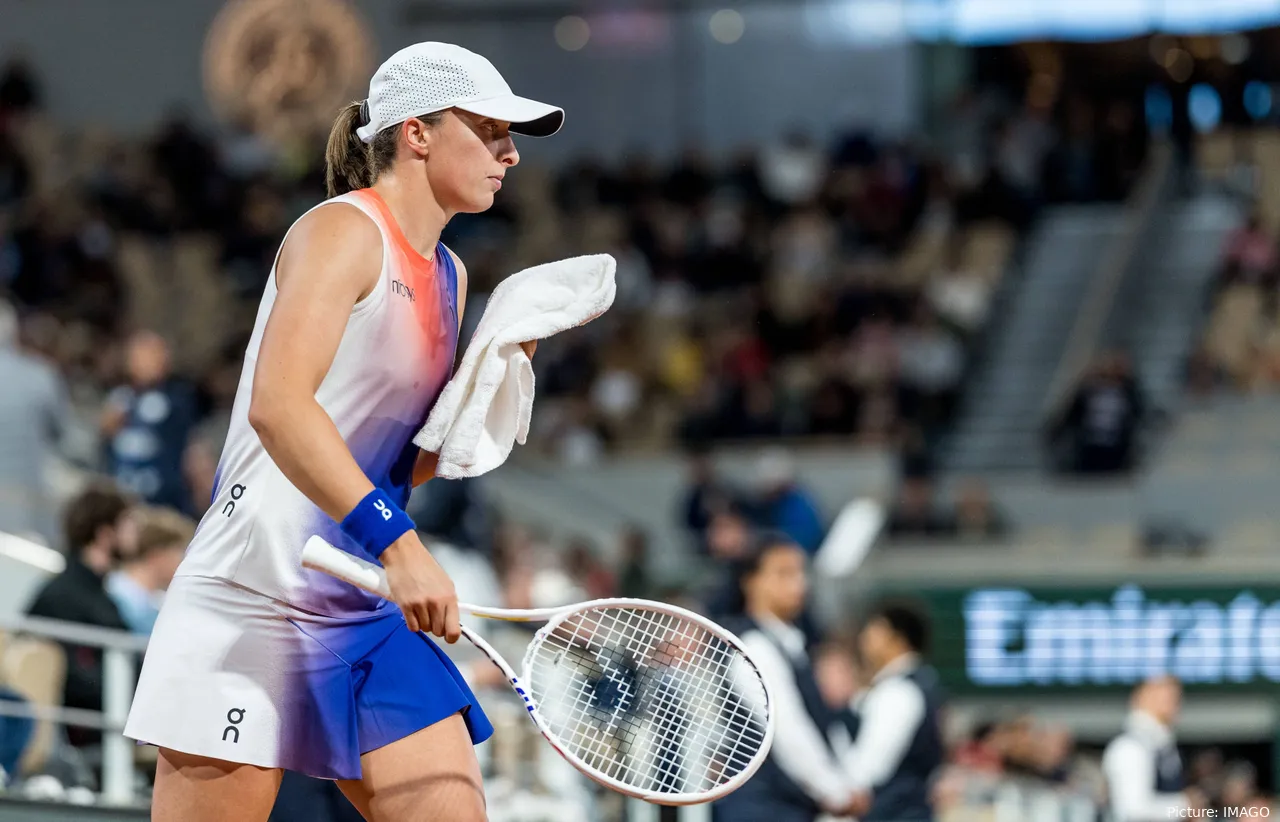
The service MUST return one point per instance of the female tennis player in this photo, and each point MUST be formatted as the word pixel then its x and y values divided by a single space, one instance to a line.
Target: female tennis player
pixel 257 665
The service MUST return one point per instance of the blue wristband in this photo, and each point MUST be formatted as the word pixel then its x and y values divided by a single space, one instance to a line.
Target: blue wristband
pixel 376 522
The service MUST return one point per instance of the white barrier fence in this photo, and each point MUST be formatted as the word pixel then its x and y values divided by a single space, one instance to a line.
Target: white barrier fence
pixel 1018 802
pixel 119 650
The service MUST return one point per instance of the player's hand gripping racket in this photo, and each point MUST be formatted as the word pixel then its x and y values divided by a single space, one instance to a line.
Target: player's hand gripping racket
pixel 648 699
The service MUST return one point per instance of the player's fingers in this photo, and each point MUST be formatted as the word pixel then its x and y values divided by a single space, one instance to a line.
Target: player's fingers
pixel 424 617
pixel 411 619
pixel 452 623
pixel 437 617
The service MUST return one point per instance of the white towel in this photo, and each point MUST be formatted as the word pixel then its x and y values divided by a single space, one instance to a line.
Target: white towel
pixel 485 409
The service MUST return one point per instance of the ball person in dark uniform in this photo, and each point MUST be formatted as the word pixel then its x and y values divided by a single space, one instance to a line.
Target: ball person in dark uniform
pixel 1142 765
pixel 899 744
pixel 802 777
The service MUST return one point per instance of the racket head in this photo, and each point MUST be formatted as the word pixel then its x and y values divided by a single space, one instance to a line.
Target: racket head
pixel 650 700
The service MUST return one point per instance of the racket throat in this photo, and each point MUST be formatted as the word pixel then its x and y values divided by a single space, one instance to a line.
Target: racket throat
pixel 519 689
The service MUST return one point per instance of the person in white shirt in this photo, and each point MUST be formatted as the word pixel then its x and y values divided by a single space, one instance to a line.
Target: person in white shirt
pixel 899 744
pixel 802 777
pixel 1142 765
pixel 35 418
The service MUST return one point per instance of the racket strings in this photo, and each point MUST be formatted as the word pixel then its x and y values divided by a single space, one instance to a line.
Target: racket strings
pixel 649 699
pixel 700 692
pixel 700 740
pixel 729 744
pixel 598 744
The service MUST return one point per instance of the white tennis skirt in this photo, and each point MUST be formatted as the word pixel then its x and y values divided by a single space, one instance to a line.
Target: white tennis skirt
pixel 234 675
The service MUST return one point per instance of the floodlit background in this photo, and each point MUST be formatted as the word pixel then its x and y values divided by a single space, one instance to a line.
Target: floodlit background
pixel 975 299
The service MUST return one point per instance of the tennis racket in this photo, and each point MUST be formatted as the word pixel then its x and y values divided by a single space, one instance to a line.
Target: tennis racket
pixel 648 699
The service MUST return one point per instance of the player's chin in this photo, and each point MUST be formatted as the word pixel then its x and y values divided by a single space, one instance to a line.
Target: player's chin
pixel 480 201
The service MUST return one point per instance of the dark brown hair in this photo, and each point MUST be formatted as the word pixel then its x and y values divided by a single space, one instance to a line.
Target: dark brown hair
pixel 906 619
pixel 98 507
pixel 745 567
pixel 349 163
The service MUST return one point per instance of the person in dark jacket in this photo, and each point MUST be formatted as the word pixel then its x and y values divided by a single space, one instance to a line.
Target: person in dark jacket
pixel 1102 423
pixel 785 505
pixel 147 426
pixel 98 530
pixel 706 496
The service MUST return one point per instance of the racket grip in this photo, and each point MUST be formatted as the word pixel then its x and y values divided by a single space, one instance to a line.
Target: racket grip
pixel 319 555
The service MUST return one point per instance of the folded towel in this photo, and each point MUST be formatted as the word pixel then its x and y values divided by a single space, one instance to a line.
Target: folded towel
pixel 485 409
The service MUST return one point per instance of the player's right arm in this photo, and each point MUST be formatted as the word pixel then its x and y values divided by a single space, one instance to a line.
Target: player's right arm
pixel 331 261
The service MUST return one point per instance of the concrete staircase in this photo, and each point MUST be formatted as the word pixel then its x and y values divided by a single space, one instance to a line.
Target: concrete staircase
pixel 1161 309
pixel 999 427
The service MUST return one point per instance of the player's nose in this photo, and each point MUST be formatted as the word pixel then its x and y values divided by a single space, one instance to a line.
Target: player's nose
pixel 507 154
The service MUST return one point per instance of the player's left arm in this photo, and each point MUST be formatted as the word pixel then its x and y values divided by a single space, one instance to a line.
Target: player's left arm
pixel 425 466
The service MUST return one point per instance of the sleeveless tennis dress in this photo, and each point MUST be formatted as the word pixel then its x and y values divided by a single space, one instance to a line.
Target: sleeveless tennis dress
pixel 255 659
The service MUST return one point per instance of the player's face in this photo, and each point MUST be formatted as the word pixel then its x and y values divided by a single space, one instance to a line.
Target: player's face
pixel 468 158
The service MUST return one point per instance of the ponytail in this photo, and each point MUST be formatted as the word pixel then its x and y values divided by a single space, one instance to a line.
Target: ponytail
pixel 346 157
pixel 349 163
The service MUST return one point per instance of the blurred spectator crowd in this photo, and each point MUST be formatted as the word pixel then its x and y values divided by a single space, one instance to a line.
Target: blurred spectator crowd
pixel 1041 758
pixel 793 289
pixel 1240 349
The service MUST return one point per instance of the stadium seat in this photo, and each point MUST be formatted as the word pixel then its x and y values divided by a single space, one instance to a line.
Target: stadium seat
pixel 1216 154
pixel 1233 329
pixel 36 669
pixel 1249 537
pixel 987 249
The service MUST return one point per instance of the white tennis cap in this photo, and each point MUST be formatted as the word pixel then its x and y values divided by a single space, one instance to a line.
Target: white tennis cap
pixel 427 77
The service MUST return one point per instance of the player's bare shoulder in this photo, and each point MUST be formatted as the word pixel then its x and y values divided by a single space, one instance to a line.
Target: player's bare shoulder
pixel 336 240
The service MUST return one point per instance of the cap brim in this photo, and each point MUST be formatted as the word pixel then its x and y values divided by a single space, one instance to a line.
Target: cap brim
pixel 528 117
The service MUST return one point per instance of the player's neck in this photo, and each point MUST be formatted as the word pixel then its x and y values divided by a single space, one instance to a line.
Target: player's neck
pixel 414 207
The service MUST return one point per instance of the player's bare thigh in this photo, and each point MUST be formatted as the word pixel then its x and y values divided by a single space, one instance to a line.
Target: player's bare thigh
pixel 430 775
pixel 199 789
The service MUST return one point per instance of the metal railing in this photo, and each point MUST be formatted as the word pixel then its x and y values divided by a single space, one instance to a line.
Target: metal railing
pixel 1018 802
pixel 119 650
pixel 1086 333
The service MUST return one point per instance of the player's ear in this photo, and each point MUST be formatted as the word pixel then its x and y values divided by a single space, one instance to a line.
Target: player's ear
pixel 417 135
